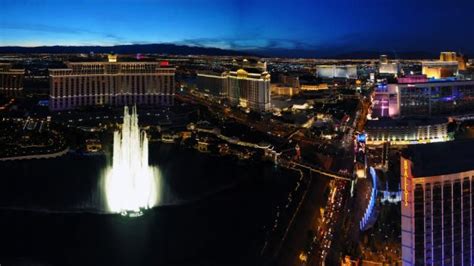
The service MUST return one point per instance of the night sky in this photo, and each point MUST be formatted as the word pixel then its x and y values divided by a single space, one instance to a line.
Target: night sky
pixel 300 25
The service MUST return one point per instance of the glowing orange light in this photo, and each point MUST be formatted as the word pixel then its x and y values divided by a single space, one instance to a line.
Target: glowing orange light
pixel 405 179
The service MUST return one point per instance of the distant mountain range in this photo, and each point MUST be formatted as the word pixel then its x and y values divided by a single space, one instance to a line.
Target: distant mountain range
pixel 196 50
pixel 390 54
pixel 336 54
pixel 125 49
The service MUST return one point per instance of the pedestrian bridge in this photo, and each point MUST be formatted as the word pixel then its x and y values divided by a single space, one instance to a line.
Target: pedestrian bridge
pixel 319 171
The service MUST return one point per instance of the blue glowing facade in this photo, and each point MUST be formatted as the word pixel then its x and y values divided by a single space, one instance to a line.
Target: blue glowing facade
pixel 369 215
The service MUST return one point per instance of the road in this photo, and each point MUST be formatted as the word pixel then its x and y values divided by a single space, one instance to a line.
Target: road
pixel 294 247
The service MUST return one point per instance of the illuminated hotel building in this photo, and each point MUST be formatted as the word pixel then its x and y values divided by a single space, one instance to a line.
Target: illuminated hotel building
pixel 448 56
pixel 437 181
pixel 385 101
pixel 111 83
pixel 386 67
pixel 389 68
pixel 247 86
pixel 212 83
pixel 249 90
pixel 282 90
pixel 337 71
pixel 454 57
pixel 462 62
pixel 439 69
pixel 424 98
pixel 286 86
pixel 448 65
pixel 11 80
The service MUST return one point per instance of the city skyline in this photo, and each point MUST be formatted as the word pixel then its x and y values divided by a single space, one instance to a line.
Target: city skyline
pixel 239 132
pixel 312 28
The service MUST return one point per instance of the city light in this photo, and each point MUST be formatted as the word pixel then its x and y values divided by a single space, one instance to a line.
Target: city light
pixel 236 133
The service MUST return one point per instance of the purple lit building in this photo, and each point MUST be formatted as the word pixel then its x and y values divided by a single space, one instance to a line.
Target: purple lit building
pixel 440 97
pixel 385 102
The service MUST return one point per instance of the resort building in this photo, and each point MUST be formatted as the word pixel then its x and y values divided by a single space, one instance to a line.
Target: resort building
pixel 111 83
pixel 11 80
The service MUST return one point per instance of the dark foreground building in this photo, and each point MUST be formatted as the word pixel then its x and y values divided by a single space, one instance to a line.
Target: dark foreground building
pixel 437 201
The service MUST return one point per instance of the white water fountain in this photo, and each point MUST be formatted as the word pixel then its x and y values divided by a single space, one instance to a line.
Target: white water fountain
pixel 131 185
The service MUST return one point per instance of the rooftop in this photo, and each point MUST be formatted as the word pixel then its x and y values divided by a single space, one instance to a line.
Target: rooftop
pixel 391 88
pixel 405 122
pixel 254 70
pixel 441 158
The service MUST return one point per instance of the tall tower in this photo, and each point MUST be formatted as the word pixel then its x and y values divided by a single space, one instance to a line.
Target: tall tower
pixel 447 56
pixel 112 57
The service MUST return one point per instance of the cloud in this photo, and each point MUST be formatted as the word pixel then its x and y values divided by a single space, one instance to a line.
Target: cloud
pixel 88 35
pixel 43 28
pixel 338 45
pixel 248 43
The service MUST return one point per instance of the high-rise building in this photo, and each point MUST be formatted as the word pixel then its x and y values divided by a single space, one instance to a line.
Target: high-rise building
pixel 391 68
pixel 462 62
pixel 439 69
pixel 111 83
pixel 112 57
pixel 212 83
pixel 249 89
pixel 385 101
pixel 248 85
pixel 448 57
pixel 386 67
pixel 337 71
pixel 448 65
pixel 289 80
pixel 437 181
pixel 287 85
pixel 11 80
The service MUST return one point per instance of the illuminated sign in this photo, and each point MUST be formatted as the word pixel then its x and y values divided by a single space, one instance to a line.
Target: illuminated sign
pixel 405 181
pixel 361 137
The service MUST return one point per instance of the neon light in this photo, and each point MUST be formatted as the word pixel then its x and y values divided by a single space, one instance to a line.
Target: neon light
pixel 405 181
pixel 369 211
pixel 361 137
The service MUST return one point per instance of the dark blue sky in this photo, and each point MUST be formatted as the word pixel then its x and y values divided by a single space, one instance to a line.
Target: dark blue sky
pixel 323 26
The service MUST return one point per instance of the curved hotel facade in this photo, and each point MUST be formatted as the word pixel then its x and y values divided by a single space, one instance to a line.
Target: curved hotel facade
pixel 111 83
pixel 437 181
